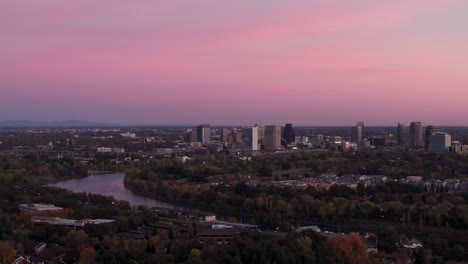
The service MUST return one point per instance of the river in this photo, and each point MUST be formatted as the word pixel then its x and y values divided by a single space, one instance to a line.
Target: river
pixel 109 185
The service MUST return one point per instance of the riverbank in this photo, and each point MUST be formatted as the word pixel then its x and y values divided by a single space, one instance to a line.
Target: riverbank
pixel 94 173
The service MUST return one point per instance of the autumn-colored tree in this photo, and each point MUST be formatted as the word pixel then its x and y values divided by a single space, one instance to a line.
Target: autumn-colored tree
pixel 74 241
pixel 110 244
pixel 88 255
pixel 20 248
pixel 44 171
pixel 194 256
pixel 48 254
pixel 7 252
pixel 350 247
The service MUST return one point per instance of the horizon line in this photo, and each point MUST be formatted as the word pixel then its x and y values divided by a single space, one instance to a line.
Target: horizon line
pixel 105 124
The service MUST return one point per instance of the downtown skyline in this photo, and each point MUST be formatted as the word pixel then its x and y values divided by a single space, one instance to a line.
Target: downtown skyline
pixel 244 62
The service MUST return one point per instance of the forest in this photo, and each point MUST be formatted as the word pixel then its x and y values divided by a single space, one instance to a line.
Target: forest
pixel 220 183
pixel 107 244
pixel 436 216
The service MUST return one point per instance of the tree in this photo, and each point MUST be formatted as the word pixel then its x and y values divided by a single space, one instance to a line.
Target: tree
pixel 88 255
pixel 74 241
pixel 458 252
pixel 419 256
pixel 194 256
pixel 439 246
pixel 350 247
pixel 44 171
pixel 7 252
pixel 265 171
pixel 304 249
pixel 388 238
pixel 361 189
pixel 437 260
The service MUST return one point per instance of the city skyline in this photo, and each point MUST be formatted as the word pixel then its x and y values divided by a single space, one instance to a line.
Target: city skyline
pixel 323 63
pixel 86 123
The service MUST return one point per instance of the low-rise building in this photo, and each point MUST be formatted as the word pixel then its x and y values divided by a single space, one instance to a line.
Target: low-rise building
pixel 182 159
pixel 309 228
pixel 128 135
pixel 39 207
pixel 411 244
pixel 414 179
pixel 219 236
pixel 57 221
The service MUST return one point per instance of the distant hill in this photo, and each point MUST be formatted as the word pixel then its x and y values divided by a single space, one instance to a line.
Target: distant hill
pixel 64 123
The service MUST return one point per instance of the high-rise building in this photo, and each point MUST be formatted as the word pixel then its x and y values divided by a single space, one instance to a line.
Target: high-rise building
pixel 250 138
pixel 224 134
pixel 272 139
pixel 403 135
pixel 190 136
pixel 261 132
pixel 357 133
pixel 237 135
pixel 429 131
pixel 288 134
pixel 204 133
pixel 230 138
pixel 416 134
pixel 440 142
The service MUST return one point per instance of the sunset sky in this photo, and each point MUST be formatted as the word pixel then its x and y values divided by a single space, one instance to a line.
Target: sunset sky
pixel 309 62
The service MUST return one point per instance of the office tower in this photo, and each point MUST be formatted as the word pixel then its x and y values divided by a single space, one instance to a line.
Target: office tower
pixel 261 134
pixel 237 136
pixel 429 131
pixel 250 138
pixel 403 134
pixel 272 139
pixel 288 134
pixel 230 138
pixel 261 131
pixel 416 134
pixel 204 133
pixel 224 134
pixel 357 133
pixel 190 136
pixel 440 142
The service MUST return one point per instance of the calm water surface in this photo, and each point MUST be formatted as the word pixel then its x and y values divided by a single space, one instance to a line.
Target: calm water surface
pixel 109 185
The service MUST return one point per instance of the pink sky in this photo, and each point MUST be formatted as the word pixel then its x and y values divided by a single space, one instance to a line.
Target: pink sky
pixel 309 62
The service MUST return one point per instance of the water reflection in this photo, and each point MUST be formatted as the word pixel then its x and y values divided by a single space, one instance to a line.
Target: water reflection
pixel 109 185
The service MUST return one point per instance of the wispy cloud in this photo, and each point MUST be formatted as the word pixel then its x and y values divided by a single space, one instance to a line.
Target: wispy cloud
pixel 153 51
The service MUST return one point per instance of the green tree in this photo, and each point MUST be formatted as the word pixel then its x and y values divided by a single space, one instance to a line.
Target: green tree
pixel 387 239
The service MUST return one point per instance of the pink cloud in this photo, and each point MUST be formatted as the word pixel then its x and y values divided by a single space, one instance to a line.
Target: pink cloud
pixel 231 54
